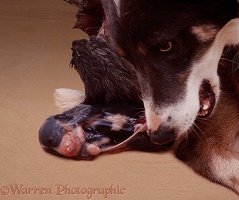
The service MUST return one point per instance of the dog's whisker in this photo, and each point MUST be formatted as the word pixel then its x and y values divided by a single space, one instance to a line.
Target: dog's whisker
pixel 127 13
pixel 203 134
pixel 186 136
pixel 232 61
pixel 205 121
pixel 194 132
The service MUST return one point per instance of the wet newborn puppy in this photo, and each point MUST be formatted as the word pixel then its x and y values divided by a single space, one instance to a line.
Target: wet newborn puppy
pixel 86 131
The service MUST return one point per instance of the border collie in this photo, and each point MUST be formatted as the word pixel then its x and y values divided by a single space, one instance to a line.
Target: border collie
pixel 184 55
pixel 175 47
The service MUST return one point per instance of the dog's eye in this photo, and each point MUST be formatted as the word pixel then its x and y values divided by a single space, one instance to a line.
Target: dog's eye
pixel 166 47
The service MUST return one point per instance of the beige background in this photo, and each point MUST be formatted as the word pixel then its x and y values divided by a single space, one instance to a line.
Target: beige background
pixel 35 42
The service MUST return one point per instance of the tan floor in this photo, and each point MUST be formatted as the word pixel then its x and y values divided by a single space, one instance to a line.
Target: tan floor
pixel 35 41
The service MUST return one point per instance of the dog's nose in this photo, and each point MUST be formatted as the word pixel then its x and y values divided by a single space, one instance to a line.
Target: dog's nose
pixel 163 135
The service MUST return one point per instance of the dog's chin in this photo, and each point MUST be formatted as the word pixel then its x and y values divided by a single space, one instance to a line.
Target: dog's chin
pixel 207 99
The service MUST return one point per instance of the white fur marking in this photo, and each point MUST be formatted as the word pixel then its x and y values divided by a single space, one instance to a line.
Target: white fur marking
pixel 226 171
pixel 66 99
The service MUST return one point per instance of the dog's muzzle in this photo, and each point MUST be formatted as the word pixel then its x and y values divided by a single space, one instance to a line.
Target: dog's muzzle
pixel 167 132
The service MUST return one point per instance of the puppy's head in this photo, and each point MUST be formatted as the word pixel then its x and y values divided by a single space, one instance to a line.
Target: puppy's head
pixel 175 47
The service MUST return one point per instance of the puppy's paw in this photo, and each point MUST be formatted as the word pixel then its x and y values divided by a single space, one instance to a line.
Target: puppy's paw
pixel 66 99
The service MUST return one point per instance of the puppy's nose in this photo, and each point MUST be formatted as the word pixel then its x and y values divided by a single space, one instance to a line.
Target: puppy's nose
pixel 163 135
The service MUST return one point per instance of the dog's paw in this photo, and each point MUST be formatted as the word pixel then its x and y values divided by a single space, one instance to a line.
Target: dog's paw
pixel 66 99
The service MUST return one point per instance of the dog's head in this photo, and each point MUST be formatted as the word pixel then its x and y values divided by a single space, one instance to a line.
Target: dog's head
pixel 175 47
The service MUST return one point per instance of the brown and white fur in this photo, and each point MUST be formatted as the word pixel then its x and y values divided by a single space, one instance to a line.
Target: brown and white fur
pixel 212 147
